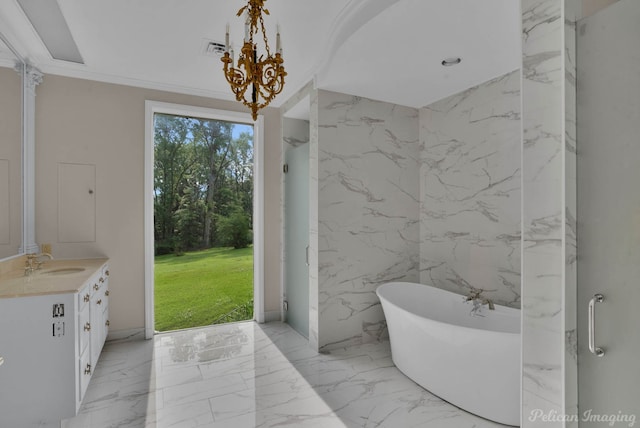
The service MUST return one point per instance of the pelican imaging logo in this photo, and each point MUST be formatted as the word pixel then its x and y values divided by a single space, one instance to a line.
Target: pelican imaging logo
pixel 613 419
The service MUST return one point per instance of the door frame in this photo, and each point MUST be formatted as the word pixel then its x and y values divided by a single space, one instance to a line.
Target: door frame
pixel 152 107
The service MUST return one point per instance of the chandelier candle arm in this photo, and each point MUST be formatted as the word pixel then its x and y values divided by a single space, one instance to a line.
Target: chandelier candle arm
pixel 265 74
pixel 247 26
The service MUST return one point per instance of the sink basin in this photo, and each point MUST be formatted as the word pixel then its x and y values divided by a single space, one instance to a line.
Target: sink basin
pixel 64 271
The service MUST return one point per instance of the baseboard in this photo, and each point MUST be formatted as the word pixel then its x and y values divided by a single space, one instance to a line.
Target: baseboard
pixel 341 344
pixel 372 333
pixel 272 316
pixel 138 333
pixel 126 335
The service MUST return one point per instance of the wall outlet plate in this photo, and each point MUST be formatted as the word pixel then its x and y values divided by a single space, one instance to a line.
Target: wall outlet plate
pixel 58 329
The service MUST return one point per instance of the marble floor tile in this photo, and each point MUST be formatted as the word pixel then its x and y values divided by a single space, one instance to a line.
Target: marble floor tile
pixel 248 375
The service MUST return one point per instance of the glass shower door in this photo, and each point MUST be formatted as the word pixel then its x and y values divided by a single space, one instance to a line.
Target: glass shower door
pixel 608 148
pixel 297 238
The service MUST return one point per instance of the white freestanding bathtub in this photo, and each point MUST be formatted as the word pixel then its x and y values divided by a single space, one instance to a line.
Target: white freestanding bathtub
pixel 469 360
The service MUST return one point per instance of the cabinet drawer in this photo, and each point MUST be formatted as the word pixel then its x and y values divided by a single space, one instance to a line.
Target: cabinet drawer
pixel 96 285
pixel 84 328
pixel 105 272
pixel 84 372
pixel 105 323
pixel 84 296
pixel 104 292
pixel 105 313
pixel 99 300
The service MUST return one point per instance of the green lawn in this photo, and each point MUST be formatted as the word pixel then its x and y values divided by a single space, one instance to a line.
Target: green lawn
pixel 196 289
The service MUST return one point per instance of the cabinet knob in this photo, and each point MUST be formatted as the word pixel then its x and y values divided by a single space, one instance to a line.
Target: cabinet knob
pixel 99 301
pixel 107 323
pixel 106 293
pixel 101 279
pixel 106 272
pixel 87 297
pixel 87 370
pixel 96 287
pixel 87 326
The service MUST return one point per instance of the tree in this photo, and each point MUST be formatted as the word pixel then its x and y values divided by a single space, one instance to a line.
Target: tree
pixel 203 176
pixel 234 230
pixel 214 138
pixel 241 170
pixel 172 164
pixel 189 217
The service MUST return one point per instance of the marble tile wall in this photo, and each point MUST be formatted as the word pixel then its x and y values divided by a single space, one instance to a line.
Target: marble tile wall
pixel 545 212
pixel 295 132
pixel 368 228
pixel 365 237
pixel 314 191
pixel 572 13
pixel 299 96
pixel 470 217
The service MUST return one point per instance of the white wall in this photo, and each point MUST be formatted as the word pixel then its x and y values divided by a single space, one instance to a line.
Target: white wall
pixel 589 7
pixel 10 162
pixel 87 122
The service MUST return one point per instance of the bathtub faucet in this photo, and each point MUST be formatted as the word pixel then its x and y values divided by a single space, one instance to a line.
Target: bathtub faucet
pixel 475 296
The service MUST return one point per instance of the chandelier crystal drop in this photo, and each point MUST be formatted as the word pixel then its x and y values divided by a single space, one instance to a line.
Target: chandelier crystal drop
pixel 256 79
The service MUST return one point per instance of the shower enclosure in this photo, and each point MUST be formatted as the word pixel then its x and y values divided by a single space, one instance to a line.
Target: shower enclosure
pixel 608 235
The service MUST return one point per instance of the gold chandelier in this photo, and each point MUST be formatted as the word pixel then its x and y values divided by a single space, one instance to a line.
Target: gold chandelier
pixel 265 75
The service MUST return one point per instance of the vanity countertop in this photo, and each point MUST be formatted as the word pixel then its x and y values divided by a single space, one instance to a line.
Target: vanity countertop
pixel 55 277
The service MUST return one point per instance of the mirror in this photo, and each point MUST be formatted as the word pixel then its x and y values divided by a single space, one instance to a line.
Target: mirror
pixel 11 151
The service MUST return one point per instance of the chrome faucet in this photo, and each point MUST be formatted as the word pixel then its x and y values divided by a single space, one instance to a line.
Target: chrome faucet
pixel 475 296
pixel 33 263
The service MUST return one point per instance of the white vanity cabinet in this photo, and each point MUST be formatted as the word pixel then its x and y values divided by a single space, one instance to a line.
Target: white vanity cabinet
pixel 93 302
pixel 51 342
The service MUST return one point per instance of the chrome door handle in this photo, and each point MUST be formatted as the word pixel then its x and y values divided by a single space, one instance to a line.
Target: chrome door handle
pixel 306 260
pixel 598 352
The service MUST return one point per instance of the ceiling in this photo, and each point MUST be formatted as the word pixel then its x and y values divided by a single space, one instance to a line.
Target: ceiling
pixel 388 50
